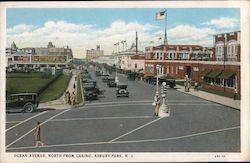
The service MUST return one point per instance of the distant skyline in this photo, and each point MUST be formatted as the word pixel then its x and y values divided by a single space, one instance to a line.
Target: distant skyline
pixel 83 29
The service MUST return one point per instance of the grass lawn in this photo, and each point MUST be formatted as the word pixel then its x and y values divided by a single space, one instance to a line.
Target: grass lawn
pixel 56 89
pixel 25 82
pixel 79 91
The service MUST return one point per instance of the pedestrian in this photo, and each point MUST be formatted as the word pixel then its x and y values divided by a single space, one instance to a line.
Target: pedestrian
pixel 235 93
pixel 73 98
pixel 38 135
pixel 188 86
pixel 74 86
pixel 185 85
pixel 67 97
pixel 157 105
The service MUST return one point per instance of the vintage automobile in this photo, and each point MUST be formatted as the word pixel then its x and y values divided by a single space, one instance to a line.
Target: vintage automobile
pixel 121 90
pixel 169 82
pixel 89 81
pixel 105 78
pixel 90 92
pixel 26 102
pixel 111 82
pixel 98 73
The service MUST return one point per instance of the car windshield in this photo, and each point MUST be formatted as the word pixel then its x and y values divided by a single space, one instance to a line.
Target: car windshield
pixel 122 86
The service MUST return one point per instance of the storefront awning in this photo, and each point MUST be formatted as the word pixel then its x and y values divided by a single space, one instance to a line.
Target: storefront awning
pixel 226 74
pixel 214 74
pixel 205 72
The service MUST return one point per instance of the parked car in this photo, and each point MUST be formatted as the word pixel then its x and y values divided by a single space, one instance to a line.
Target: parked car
pixel 26 102
pixel 90 92
pixel 105 78
pixel 85 81
pixel 121 90
pixel 111 82
pixel 98 73
pixel 169 82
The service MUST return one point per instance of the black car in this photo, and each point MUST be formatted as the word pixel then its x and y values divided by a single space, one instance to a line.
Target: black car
pixel 86 81
pixel 111 82
pixel 121 90
pixel 169 82
pixel 105 78
pixel 90 92
pixel 98 73
pixel 27 102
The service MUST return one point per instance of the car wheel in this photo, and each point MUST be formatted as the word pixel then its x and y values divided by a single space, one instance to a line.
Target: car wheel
pixel 29 108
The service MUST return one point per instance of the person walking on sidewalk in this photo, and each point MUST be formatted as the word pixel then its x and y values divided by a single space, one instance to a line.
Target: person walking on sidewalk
pixel 38 135
pixel 73 98
pixel 235 93
pixel 67 97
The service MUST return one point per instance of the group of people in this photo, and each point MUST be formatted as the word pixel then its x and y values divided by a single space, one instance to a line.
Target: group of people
pixel 70 98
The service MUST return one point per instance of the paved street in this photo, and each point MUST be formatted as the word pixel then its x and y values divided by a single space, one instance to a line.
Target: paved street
pixel 124 124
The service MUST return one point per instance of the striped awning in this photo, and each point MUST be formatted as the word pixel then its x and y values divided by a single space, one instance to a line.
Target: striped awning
pixel 205 72
pixel 226 74
pixel 214 74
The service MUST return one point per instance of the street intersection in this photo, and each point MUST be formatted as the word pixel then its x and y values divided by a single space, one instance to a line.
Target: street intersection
pixel 124 124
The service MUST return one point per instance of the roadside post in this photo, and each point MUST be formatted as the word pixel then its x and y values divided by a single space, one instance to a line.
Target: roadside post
pixel 164 111
pixel 157 86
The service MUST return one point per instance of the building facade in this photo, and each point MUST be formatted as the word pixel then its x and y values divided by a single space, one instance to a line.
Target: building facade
pixel 39 58
pixel 94 53
pixel 215 68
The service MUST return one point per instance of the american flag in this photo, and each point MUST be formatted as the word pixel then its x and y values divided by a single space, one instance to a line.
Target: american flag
pixel 160 15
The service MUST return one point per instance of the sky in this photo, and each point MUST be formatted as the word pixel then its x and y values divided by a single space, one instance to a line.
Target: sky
pixel 84 28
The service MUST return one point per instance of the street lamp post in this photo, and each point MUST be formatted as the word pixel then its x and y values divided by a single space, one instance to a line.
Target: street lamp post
pixel 164 110
pixel 157 87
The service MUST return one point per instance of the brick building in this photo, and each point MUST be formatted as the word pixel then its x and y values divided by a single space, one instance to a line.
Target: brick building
pixel 215 68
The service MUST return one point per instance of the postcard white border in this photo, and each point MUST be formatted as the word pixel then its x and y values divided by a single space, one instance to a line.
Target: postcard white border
pixel 147 156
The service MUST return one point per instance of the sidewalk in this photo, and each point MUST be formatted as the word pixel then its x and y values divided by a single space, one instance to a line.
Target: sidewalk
pixel 212 97
pixel 60 103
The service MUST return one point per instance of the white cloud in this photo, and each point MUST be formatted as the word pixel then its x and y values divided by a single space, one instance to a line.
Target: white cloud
pixel 223 22
pixel 20 29
pixel 79 37
pixel 186 34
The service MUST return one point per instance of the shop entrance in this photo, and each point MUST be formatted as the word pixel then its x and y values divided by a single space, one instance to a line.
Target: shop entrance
pixel 188 71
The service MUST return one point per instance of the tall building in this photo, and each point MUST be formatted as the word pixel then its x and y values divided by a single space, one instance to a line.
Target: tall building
pixel 92 54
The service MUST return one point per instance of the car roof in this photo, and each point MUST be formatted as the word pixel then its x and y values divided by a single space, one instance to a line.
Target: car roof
pixel 121 84
pixel 18 94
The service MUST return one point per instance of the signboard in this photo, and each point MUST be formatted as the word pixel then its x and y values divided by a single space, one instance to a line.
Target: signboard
pixel 23 59
pixel 49 59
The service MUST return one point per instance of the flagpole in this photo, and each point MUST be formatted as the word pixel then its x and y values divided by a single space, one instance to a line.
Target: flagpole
pixel 165 37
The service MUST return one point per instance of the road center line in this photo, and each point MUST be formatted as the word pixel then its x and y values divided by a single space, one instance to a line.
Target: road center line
pixel 26 120
pixel 132 141
pixel 135 129
pixel 34 127
pixel 100 118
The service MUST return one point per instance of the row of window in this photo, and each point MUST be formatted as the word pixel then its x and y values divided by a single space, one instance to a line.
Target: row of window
pixel 221 82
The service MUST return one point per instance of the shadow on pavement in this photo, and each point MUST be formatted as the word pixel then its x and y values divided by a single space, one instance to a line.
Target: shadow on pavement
pixel 36 111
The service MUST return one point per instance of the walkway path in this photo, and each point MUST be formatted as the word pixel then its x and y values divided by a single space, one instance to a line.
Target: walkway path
pixel 212 97
pixel 61 103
